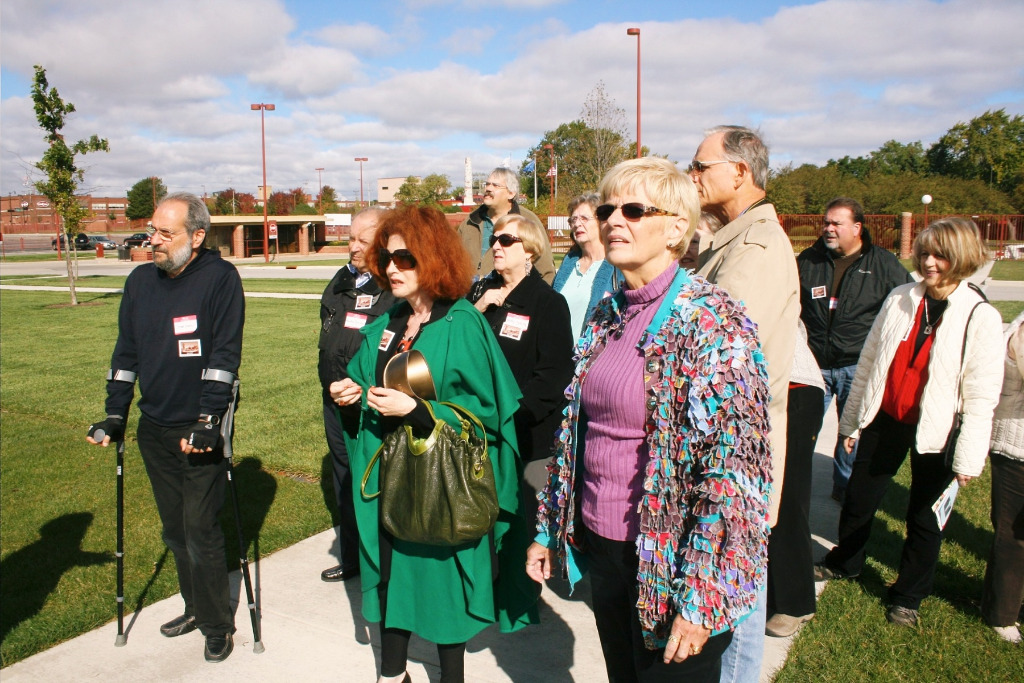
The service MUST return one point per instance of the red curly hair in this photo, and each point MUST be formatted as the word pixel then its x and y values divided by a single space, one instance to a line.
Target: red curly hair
pixel 443 267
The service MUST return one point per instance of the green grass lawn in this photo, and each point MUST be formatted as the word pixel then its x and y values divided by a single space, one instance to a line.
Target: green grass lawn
pixel 283 285
pixel 850 640
pixel 58 521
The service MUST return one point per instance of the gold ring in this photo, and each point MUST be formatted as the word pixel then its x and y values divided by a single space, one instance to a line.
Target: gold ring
pixel 694 650
pixel 673 638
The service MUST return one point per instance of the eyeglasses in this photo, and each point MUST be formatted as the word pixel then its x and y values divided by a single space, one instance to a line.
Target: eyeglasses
pixel 495 185
pixel 699 167
pixel 633 211
pixel 504 239
pixel 164 233
pixel 403 258
pixel 580 220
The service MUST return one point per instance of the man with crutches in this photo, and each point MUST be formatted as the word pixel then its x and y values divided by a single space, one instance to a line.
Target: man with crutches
pixel 180 335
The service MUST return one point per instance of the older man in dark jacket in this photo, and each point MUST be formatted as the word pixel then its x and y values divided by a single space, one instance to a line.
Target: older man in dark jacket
pixel 844 279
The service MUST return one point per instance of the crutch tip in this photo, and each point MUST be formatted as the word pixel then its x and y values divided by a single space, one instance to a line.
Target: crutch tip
pixel 121 640
pixel 257 647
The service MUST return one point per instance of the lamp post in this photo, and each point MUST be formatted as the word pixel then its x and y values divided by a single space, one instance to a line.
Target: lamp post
pixel 926 200
pixel 361 160
pixel 320 184
pixel 636 32
pixel 263 107
pixel 551 175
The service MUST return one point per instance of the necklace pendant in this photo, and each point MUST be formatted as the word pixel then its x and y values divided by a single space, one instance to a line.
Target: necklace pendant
pixel 927 330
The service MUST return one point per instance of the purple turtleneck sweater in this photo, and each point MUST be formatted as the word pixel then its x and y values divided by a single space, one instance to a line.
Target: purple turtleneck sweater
pixel 615 450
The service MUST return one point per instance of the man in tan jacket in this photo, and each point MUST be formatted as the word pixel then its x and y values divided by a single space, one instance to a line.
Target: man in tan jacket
pixel 752 259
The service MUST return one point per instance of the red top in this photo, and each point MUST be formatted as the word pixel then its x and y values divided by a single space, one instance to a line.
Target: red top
pixel 908 374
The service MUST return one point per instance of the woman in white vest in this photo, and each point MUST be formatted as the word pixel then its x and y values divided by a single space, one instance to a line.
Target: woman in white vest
pixel 933 353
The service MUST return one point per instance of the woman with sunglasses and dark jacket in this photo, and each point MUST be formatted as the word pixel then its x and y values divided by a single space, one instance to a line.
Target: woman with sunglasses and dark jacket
pixel 659 484
pixel 530 320
pixel 444 594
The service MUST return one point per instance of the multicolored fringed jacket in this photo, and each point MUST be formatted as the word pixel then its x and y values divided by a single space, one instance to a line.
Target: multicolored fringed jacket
pixel 704 513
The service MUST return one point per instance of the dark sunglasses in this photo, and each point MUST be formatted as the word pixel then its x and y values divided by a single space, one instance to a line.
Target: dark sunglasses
pixel 504 239
pixel 632 211
pixel 403 258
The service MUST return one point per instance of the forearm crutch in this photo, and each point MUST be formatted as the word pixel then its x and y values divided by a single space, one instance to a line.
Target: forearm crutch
pixel 121 640
pixel 227 432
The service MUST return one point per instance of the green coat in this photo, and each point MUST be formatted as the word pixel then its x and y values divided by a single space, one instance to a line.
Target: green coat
pixel 445 594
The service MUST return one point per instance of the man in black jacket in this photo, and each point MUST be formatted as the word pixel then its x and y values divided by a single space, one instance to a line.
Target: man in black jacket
pixel 351 300
pixel 180 333
pixel 844 279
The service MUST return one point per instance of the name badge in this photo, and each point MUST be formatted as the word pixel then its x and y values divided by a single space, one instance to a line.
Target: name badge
pixel 189 347
pixel 363 302
pixel 354 321
pixel 186 324
pixel 818 292
pixel 833 304
pixel 385 340
pixel 514 326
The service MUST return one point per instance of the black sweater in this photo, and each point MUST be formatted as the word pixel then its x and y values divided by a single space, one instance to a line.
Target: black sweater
pixel 170 330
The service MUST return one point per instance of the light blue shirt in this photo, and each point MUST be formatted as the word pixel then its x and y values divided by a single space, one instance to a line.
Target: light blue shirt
pixel 577 293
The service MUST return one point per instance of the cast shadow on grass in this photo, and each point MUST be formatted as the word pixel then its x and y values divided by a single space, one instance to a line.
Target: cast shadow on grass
pixel 141 601
pixel 31 573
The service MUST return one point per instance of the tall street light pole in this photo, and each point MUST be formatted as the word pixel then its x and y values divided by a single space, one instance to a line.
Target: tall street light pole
pixel 636 32
pixel 263 107
pixel 320 184
pixel 361 160
pixel 551 175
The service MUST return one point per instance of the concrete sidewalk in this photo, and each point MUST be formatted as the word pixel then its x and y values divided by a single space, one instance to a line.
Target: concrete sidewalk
pixel 313 631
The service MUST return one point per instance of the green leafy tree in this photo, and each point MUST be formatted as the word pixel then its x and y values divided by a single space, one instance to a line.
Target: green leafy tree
pixel 141 198
pixel 59 161
pixel 329 200
pixel 989 147
pixel 430 191
pixel 280 203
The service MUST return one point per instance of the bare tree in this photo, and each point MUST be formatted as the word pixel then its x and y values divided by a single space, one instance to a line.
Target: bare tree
pixel 59 163
pixel 606 129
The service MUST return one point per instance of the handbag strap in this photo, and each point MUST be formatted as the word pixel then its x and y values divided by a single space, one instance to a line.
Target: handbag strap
pixel 459 410
pixel 963 346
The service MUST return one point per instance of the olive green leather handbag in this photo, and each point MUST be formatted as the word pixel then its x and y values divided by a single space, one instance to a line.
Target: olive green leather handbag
pixel 439 490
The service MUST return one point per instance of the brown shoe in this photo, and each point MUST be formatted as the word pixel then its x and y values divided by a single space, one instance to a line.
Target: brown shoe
pixel 785 625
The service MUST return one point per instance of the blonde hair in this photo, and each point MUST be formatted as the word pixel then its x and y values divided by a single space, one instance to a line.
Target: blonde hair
pixel 664 183
pixel 530 231
pixel 955 239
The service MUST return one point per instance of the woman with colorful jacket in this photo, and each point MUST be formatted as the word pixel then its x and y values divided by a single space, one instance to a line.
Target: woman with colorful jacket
pixel 660 480
pixel 933 352
pixel 444 594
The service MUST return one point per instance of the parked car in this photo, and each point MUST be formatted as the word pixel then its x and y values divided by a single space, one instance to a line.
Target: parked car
pixel 63 242
pixel 139 239
pixel 85 242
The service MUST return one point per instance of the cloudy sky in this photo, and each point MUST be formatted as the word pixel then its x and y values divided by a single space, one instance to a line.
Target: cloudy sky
pixel 419 85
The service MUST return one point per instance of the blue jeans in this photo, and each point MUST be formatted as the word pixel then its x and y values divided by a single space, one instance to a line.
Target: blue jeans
pixel 741 661
pixel 837 383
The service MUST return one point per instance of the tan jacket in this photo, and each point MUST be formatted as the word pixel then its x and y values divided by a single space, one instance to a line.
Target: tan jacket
pixel 472 239
pixel 752 259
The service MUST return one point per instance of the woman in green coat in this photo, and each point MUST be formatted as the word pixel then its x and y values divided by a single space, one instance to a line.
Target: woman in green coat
pixel 443 594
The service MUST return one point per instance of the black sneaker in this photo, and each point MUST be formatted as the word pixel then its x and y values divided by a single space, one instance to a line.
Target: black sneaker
pixel 186 623
pixel 901 616
pixel 822 572
pixel 218 647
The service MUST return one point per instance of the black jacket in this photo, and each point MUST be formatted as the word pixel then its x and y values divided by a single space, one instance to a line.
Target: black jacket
pixel 540 355
pixel 836 340
pixel 169 331
pixel 342 314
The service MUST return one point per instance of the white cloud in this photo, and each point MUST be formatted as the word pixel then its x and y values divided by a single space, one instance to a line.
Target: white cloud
pixel 470 40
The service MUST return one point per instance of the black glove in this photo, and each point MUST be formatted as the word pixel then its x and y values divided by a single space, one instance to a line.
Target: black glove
pixel 113 427
pixel 203 435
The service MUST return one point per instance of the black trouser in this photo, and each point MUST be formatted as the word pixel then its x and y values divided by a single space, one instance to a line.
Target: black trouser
pixel 1004 575
pixel 790 552
pixel 348 537
pixel 613 570
pixel 189 492
pixel 883 448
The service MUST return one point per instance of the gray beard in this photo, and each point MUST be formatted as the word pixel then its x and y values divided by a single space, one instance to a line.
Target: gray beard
pixel 177 259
